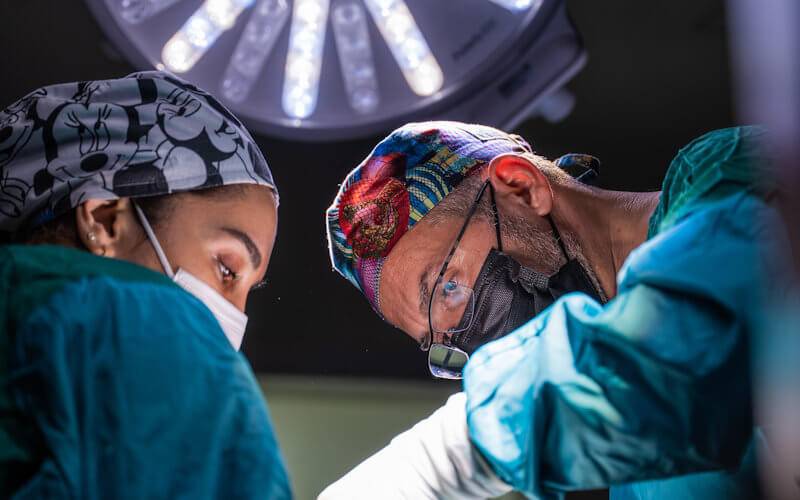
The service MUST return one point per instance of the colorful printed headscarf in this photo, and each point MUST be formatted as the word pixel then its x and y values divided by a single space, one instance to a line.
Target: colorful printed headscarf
pixel 147 134
pixel 404 177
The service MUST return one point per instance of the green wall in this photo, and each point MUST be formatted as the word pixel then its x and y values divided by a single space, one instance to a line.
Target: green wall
pixel 328 425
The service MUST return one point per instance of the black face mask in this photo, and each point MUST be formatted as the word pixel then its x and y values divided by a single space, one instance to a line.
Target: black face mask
pixel 507 295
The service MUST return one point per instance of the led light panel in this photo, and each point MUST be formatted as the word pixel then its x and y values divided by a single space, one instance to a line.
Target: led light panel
pixel 199 33
pixel 304 57
pixel 385 62
pixel 136 11
pixel 517 5
pixel 408 46
pixel 256 43
pixel 349 22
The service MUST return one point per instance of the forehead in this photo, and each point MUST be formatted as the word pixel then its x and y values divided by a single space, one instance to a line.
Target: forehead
pixel 415 252
pixel 251 209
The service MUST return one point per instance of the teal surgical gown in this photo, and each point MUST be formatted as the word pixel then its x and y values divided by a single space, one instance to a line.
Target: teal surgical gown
pixel 651 392
pixel 116 383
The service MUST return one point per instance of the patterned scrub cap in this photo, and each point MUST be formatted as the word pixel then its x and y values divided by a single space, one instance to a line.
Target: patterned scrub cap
pixel 583 167
pixel 147 134
pixel 405 176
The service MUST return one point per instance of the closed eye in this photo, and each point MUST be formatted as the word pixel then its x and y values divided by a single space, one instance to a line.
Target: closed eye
pixel 228 275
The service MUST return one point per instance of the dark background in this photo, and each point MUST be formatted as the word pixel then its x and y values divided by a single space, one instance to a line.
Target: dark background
pixel 657 76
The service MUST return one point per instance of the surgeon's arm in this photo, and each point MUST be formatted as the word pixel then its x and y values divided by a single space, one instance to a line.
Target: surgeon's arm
pixel 434 459
pixel 656 383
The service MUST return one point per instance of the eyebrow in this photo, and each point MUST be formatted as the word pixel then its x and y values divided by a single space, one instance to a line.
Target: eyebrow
pixel 247 241
pixel 424 290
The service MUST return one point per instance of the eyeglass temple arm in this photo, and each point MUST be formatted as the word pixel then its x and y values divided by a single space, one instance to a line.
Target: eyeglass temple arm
pixel 429 339
pixel 496 214
pixel 471 212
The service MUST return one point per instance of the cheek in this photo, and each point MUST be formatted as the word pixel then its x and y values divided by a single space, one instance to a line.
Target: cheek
pixel 206 271
pixel 466 265
pixel 401 306
pixel 474 247
pixel 473 268
pixel 393 303
pixel 192 254
pixel 133 245
pixel 144 255
pixel 238 299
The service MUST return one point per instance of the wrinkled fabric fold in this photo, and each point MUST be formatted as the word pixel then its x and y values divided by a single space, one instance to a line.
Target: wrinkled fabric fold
pixel 656 383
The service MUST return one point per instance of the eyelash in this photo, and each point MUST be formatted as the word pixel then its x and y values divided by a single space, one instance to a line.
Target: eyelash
pixel 259 285
pixel 451 275
pixel 228 275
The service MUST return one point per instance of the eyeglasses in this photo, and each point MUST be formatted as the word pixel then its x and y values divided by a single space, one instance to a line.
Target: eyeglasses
pixel 452 305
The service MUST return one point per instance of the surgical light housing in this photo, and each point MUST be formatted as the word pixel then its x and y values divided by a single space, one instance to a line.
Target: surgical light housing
pixel 338 69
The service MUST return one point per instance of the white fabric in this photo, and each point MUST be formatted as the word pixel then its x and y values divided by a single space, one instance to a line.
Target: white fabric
pixel 432 460
pixel 232 321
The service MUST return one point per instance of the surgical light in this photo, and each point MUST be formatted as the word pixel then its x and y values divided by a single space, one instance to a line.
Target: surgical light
pixel 257 41
pixel 408 46
pixel 516 5
pixel 304 59
pixel 199 32
pixel 355 56
pixel 135 11
pixel 335 69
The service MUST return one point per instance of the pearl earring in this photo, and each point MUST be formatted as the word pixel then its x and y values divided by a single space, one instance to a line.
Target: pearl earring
pixel 91 236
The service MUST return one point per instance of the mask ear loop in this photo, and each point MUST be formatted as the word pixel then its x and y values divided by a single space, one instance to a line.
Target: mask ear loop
pixel 496 214
pixel 557 236
pixel 148 230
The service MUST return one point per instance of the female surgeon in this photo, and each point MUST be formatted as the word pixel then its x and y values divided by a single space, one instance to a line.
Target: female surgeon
pixel 139 214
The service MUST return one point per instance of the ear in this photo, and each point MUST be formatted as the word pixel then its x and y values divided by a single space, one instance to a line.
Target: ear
pixel 105 226
pixel 519 181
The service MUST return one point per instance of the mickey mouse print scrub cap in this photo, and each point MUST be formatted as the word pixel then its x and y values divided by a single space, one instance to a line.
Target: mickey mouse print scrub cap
pixel 147 134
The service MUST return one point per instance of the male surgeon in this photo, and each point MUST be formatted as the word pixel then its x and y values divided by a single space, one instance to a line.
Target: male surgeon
pixel 602 335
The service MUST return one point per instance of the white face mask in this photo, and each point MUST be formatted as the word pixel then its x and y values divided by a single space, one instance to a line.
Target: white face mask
pixel 231 320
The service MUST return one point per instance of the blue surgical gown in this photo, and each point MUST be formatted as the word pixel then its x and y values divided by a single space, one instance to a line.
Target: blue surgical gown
pixel 652 391
pixel 117 384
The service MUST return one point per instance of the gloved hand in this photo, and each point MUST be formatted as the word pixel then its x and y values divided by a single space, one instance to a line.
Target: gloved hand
pixel 433 459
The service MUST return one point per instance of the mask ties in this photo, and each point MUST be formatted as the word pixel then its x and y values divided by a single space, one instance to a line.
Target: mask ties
pixel 162 257
pixel 557 236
